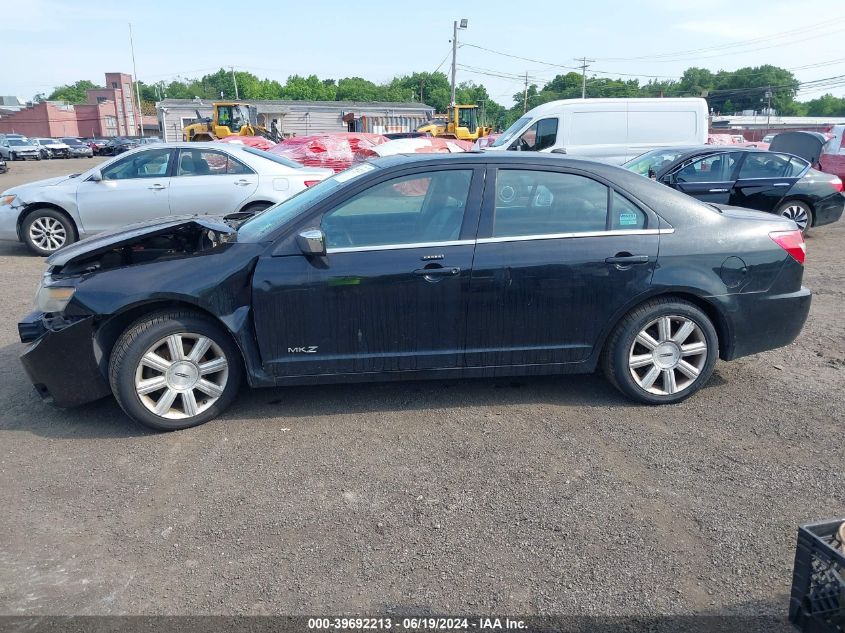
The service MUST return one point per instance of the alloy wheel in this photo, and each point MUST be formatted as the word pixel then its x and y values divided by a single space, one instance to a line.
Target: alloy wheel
pixel 797 214
pixel 181 375
pixel 47 233
pixel 668 355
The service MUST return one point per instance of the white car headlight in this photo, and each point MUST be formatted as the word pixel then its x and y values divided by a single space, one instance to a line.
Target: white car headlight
pixel 53 298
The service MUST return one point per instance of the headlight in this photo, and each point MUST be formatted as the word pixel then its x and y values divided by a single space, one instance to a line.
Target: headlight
pixel 7 200
pixel 53 298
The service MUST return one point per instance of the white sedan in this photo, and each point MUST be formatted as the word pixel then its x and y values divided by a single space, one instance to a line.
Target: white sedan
pixel 150 182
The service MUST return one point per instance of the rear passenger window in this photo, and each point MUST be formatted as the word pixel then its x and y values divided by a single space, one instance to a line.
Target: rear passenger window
pixel 625 216
pixel 545 202
pixel 768 165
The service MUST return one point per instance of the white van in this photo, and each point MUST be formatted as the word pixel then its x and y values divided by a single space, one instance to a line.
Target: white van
pixel 608 130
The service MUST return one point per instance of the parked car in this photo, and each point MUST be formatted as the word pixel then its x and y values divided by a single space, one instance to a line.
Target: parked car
pixel 117 145
pixel 77 148
pixel 768 138
pixel 147 183
pixel 12 148
pixel 97 145
pixel 418 266
pixel 52 148
pixel 743 177
pixel 609 130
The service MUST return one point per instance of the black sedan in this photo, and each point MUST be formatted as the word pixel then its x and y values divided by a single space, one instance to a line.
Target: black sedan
pixel 413 267
pixel 116 146
pixel 755 179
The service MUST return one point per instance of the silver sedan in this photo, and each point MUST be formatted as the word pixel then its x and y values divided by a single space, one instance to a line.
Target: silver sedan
pixel 153 181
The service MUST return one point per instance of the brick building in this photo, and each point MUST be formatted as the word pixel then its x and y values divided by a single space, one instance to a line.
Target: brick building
pixel 110 111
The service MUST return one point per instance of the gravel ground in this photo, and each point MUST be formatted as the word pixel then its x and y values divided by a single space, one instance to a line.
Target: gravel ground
pixel 545 495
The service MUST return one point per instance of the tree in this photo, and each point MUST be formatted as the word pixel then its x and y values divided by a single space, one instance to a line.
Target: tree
pixel 432 89
pixel 73 93
pixel 358 89
pixel 308 89
pixel 826 105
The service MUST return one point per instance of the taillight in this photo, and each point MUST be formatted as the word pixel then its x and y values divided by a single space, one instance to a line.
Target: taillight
pixel 836 183
pixel 311 183
pixel 792 242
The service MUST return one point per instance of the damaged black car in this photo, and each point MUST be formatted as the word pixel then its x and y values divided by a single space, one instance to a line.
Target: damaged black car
pixel 425 266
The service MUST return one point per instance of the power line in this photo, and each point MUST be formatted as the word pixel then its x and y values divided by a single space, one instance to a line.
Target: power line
pixel 694 51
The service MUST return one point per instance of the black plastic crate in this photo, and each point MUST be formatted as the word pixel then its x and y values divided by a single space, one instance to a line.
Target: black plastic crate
pixel 817 604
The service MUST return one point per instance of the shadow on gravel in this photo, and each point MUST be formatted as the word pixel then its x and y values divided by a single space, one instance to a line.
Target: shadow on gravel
pixel 104 418
pixel 16 249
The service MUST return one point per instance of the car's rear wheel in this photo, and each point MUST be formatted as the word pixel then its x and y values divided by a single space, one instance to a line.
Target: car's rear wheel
pixel 662 352
pixel 799 212
pixel 174 370
pixel 46 230
pixel 256 207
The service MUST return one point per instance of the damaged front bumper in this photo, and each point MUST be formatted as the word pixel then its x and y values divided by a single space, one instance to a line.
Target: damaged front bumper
pixel 60 361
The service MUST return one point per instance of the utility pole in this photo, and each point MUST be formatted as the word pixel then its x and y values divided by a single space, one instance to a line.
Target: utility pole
pixel 455 27
pixel 525 95
pixel 585 63
pixel 137 84
pixel 235 80
pixel 768 107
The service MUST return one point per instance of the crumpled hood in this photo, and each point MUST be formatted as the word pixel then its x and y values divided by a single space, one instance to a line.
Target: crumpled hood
pixel 106 241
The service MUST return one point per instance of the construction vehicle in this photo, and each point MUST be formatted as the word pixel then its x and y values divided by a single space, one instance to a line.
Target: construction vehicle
pixel 461 122
pixel 229 118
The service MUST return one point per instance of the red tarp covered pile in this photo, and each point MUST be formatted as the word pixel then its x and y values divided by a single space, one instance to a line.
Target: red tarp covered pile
pixel 335 151
pixel 420 145
pixel 258 142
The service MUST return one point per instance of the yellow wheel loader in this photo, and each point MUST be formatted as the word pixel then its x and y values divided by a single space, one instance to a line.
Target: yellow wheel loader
pixel 461 122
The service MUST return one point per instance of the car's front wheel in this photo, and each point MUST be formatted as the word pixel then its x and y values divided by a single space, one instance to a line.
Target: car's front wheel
pixel 174 370
pixel 46 230
pixel 799 212
pixel 661 352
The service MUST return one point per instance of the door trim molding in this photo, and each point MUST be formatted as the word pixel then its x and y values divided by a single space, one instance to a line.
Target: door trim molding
pixel 495 240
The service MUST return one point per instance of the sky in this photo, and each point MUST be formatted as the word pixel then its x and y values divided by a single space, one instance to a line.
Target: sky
pixel 56 42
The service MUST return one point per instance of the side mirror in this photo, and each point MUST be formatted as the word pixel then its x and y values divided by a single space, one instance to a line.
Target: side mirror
pixel 96 175
pixel 312 242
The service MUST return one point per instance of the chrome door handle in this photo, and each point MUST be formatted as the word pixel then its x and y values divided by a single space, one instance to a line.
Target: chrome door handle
pixel 156 187
pixel 437 272
pixel 781 184
pixel 242 183
pixel 718 190
pixel 627 260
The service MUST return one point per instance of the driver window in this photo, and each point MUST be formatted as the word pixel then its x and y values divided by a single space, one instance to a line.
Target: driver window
pixel 150 164
pixel 541 135
pixel 423 207
pixel 713 168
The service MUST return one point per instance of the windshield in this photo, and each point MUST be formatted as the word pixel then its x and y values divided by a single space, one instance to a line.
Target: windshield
pixel 264 223
pixel 508 134
pixel 655 160
pixel 17 142
pixel 72 141
pixel 281 160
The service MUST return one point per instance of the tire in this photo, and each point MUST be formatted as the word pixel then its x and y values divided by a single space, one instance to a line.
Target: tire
pixel 799 212
pixel 154 336
pixel 690 364
pixel 46 230
pixel 256 207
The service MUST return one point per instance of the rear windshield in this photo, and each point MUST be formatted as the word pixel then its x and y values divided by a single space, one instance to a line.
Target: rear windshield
pixel 281 160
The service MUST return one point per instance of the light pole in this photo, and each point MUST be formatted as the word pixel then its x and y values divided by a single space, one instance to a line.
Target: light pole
pixel 455 27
